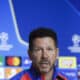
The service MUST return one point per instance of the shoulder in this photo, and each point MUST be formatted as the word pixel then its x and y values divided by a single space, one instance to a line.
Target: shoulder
pixel 67 75
pixel 59 75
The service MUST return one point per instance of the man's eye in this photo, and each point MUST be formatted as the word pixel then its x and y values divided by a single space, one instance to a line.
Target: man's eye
pixel 51 49
pixel 37 49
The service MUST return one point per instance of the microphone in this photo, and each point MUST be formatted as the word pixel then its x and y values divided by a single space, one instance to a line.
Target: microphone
pixel 61 77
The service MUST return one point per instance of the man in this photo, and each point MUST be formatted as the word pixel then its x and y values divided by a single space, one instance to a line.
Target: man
pixel 43 52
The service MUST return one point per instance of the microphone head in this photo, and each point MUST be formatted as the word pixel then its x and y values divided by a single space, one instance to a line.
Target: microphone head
pixel 60 77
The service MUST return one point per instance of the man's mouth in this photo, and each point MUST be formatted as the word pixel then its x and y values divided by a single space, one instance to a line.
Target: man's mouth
pixel 44 64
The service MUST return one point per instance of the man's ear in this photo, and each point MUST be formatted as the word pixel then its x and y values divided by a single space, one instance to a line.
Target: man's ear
pixel 57 53
pixel 57 56
pixel 30 54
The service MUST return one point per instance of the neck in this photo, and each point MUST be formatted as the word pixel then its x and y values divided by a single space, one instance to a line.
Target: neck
pixel 45 76
pixel 48 75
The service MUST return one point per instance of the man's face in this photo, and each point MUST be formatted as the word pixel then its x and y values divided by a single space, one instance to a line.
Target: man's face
pixel 44 54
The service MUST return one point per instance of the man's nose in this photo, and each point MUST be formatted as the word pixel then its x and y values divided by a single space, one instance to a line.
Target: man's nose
pixel 44 53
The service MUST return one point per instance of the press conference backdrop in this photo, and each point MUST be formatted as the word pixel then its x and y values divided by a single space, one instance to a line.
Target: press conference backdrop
pixel 19 17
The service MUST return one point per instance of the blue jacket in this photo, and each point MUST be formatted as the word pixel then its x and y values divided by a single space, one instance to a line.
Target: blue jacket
pixel 31 74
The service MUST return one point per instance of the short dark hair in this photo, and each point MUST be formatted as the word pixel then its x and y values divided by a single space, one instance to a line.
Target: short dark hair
pixel 40 33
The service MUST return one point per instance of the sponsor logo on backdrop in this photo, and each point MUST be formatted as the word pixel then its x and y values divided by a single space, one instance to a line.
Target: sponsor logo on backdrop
pixel 67 62
pixel 13 61
pixel 4 42
pixel 10 72
pixel 2 61
pixel 75 48
pixel 71 74
pixel 2 73
pixel 26 62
